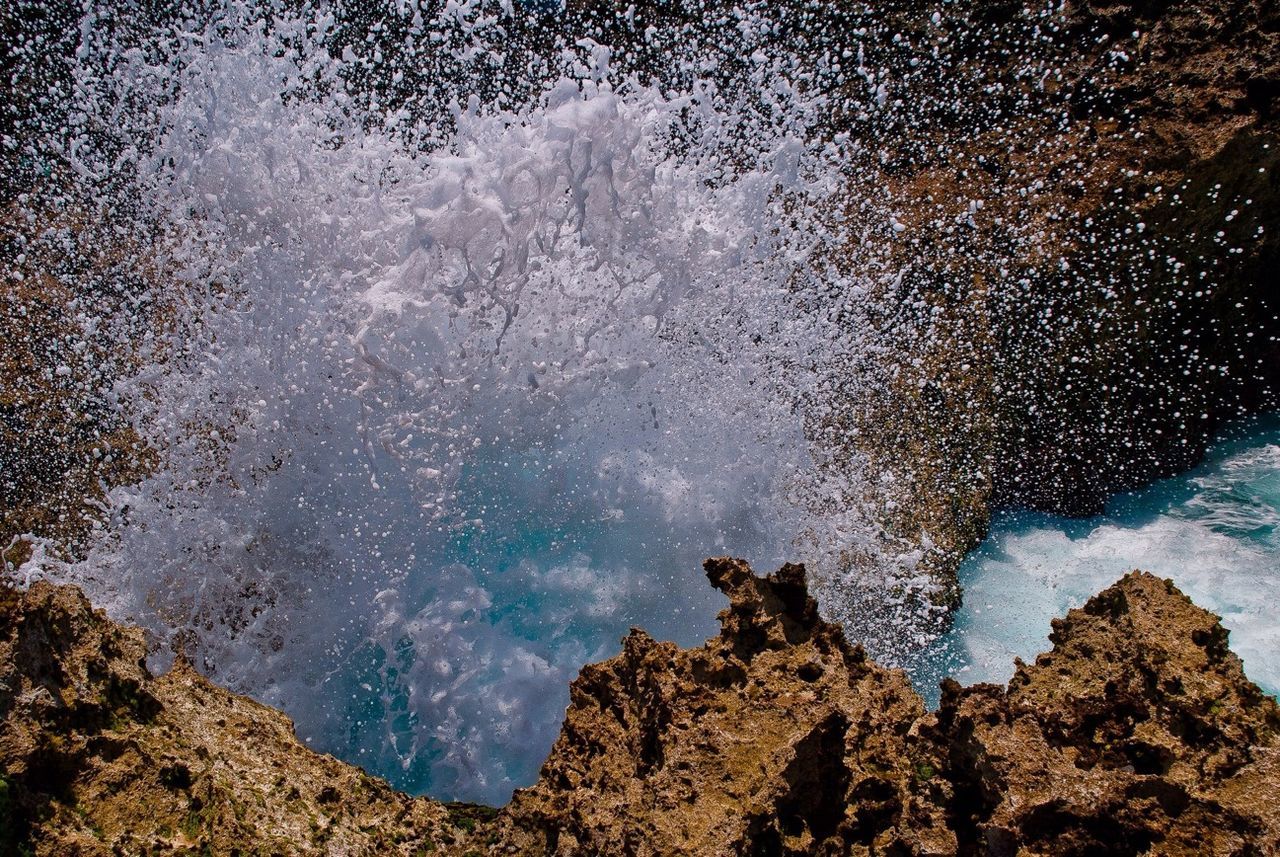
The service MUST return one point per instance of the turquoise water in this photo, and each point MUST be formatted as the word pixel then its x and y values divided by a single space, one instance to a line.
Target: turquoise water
pixel 1213 530
pixel 475 647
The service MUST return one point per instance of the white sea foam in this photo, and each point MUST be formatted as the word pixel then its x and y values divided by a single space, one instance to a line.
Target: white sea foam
pixel 1212 531
pixel 441 423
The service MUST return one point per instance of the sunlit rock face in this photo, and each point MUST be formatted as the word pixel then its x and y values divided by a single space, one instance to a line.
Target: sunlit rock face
pixel 1137 733
pixel 97 754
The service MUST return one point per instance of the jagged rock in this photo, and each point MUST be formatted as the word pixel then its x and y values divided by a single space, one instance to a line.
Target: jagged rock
pixel 100 757
pixel 775 737
pixel 1138 733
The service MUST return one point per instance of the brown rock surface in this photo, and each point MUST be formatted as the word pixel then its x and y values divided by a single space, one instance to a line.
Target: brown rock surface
pixel 100 757
pixel 775 737
pixel 1138 733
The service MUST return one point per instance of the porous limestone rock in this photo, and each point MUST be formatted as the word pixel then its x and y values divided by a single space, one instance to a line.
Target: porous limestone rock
pixel 777 736
pixel 99 757
pixel 1138 733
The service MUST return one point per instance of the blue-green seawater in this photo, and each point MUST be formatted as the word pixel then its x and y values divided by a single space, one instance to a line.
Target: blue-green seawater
pixel 1213 531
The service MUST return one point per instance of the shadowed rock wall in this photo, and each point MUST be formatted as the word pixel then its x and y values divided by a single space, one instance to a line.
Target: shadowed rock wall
pixel 1086 285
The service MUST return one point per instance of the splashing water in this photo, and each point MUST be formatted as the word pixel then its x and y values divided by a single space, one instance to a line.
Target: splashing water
pixel 454 397
pixel 1213 531
pixel 474 338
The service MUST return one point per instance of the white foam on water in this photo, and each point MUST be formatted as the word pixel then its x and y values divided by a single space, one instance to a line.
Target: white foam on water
pixel 1213 531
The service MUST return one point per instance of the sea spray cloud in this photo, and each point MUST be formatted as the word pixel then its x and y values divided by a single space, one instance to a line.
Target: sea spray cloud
pixel 470 335
pixel 439 423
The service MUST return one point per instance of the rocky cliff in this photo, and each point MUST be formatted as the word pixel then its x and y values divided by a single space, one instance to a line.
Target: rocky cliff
pixel 1085 287
pixel 1137 733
